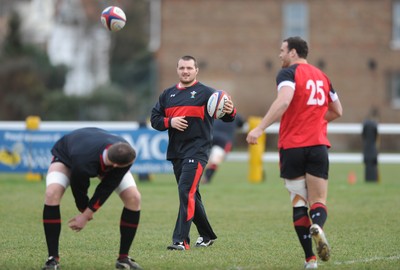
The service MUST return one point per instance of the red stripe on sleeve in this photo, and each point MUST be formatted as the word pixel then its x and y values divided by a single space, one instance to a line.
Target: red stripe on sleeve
pixel 166 122
pixel 97 205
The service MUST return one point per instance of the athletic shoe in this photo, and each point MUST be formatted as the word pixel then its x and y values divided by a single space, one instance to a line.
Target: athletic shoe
pixel 311 264
pixel 178 246
pixel 323 248
pixel 127 263
pixel 201 243
pixel 51 264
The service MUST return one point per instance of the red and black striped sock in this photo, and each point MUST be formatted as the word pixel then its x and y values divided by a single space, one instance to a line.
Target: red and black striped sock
pixel 318 214
pixel 128 226
pixel 52 228
pixel 302 225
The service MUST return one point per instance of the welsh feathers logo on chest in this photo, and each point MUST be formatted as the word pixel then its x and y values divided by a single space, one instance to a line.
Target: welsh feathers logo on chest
pixel 193 94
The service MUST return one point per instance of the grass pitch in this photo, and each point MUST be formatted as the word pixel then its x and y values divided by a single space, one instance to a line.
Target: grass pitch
pixel 253 223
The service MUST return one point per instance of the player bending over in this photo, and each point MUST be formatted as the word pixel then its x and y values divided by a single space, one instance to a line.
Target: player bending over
pixel 77 157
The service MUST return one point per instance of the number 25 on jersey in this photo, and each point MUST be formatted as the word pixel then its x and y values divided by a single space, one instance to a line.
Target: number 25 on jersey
pixel 317 95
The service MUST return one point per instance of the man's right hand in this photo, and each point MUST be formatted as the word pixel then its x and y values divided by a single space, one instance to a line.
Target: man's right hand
pixel 79 222
pixel 179 123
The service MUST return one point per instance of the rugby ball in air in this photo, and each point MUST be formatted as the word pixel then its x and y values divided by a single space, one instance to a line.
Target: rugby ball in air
pixel 113 18
pixel 216 103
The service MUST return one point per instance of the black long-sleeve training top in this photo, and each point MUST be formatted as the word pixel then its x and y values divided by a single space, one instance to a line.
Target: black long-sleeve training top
pixel 191 102
pixel 81 151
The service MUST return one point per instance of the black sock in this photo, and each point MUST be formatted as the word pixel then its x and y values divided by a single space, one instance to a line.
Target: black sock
pixel 318 214
pixel 210 172
pixel 52 228
pixel 302 224
pixel 128 226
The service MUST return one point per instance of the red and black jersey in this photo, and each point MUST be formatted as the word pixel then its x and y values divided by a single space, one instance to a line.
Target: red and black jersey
pixel 82 152
pixel 303 123
pixel 196 140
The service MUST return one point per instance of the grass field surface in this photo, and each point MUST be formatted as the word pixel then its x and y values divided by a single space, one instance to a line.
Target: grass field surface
pixel 253 223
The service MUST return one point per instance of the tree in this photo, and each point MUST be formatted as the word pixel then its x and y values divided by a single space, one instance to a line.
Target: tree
pixel 132 64
pixel 31 85
pixel 26 75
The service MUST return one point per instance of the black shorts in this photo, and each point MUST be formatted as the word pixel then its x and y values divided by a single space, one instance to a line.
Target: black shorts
pixel 295 162
pixel 221 141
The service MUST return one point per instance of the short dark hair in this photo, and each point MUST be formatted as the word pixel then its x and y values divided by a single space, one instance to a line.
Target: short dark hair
pixel 299 44
pixel 121 153
pixel 188 58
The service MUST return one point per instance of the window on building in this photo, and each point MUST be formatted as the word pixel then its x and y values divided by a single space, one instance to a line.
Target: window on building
pixel 295 20
pixel 395 89
pixel 396 25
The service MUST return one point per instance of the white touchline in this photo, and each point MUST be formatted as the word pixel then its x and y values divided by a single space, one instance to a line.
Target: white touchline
pixel 369 260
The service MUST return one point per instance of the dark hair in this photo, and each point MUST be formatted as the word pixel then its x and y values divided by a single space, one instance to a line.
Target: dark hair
pixel 121 153
pixel 299 44
pixel 188 58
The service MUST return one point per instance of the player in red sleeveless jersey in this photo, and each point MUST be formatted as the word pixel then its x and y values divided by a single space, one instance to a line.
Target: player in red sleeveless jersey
pixel 182 110
pixel 77 157
pixel 305 103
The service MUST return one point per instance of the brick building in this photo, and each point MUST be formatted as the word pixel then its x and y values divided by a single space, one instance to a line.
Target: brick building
pixel 357 43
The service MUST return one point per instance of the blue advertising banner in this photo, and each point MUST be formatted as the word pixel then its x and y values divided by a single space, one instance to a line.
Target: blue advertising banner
pixel 23 151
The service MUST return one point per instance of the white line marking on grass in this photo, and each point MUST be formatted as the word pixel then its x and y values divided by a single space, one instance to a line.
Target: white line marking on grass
pixel 370 260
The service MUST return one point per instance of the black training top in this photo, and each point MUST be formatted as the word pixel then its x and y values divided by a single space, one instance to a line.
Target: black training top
pixel 195 141
pixel 81 151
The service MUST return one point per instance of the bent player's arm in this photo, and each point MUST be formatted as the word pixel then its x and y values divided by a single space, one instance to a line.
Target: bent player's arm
pixel 158 119
pixel 107 185
pixel 229 117
pixel 79 186
pixel 275 112
pixel 335 110
pixel 278 107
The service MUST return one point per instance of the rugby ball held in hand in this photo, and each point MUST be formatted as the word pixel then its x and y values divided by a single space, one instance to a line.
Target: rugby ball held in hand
pixel 216 103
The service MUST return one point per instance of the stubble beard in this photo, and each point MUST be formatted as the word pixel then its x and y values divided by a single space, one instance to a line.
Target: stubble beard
pixel 187 81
